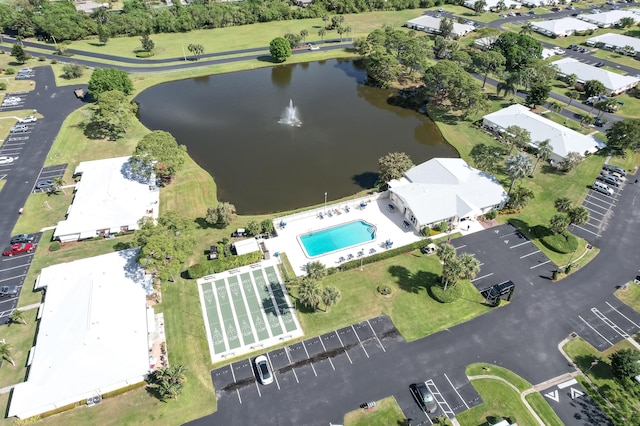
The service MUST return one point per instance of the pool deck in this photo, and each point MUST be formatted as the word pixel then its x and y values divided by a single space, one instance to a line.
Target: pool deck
pixel 389 226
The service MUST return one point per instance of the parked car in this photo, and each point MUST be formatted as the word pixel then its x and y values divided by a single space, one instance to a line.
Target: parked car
pixel 6 160
pixel 609 180
pixel 18 128
pixel 599 122
pixel 555 9
pixel 599 64
pixel 558 51
pixel 438 15
pixel 424 398
pixel 28 119
pixel 532 12
pixel 602 187
pixel 18 248
pixel 313 46
pixel 22 238
pixel 612 169
pixel 44 183
pixel 8 290
pixel 264 372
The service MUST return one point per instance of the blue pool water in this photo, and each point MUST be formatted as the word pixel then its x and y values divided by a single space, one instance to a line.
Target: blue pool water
pixel 337 238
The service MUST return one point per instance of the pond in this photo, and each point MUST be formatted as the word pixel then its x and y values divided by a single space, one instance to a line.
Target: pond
pixel 231 126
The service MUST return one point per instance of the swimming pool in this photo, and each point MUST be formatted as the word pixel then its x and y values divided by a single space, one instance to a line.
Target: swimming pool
pixel 337 238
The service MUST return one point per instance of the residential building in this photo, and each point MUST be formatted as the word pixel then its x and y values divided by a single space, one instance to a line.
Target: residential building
pixel 431 24
pixel 614 83
pixel 493 5
pixel 562 27
pixel 562 139
pixel 445 189
pixel 617 42
pixel 610 18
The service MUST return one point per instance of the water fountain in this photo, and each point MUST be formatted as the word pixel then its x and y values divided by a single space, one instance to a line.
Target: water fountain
pixel 290 116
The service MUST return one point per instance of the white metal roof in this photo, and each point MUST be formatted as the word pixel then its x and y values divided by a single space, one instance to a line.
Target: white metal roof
pixel 614 82
pixel 492 4
pixel 108 197
pixel 610 18
pixel 617 40
pixel 246 246
pixel 446 187
pixel 563 25
pixel 433 23
pixel 92 336
pixel 562 139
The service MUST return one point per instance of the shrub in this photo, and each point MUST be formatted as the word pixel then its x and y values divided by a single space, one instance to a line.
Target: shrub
pixel 9 71
pixel 433 232
pixel 443 227
pixel 384 290
pixel 451 294
pixel 352 264
pixel 144 54
pixel 224 263
pixel 42 58
pixel 426 231
pixel 490 215
pixel 55 246
pixel 70 71
pixel 197 270
pixel 560 243
pixel 3 86
pixel 54 61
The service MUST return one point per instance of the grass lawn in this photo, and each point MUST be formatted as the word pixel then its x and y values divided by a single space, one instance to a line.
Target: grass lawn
pixel 630 296
pixel 567 123
pixel 43 209
pixel 583 354
pixel 543 409
pixel 499 401
pixel 387 412
pixel 61 81
pixel 410 276
pixel 615 57
pixel 495 370
pixel 20 337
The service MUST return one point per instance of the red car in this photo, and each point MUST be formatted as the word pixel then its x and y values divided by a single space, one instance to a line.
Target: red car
pixel 19 248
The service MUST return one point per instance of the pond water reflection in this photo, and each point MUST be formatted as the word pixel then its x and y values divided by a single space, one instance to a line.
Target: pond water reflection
pixel 229 123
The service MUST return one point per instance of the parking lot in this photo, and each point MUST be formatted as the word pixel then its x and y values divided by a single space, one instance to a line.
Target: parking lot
pixel 13 271
pixel 13 145
pixel 606 323
pixel 600 208
pixel 505 254
pixel 13 101
pixel 50 173
pixel 573 406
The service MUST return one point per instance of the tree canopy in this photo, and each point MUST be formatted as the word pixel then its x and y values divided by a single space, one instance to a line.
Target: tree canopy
pixel 393 166
pixel 280 49
pixel 518 49
pixel 624 134
pixel 449 87
pixel 106 79
pixel 593 88
pixel 112 114
pixel 159 153
pixel 625 363
pixel 221 215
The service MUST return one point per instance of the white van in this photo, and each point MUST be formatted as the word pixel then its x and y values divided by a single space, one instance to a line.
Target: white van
pixel 601 187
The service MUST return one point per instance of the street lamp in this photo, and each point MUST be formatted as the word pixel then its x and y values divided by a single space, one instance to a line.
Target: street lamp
pixel 325 202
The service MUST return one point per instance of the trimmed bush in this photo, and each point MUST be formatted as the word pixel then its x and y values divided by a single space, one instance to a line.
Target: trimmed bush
pixel 433 232
pixel 42 58
pixel 491 215
pixel 55 246
pixel 451 294
pixel 54 61
pixel 144 54
pixel 352 264
pixel 199 270
pixel 9 71
pixel 425 231
pixel 3 86
pixel 384 290
pixel 560 243
pixel 124 390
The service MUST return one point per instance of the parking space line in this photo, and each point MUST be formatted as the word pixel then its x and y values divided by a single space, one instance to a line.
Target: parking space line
pixel 325 349
pixel 258 386
pixel 14 267
pixel 454 388
pixel 459 247
pixel 361 345
pixel 15 276
pixel 309 358
pixel 345 351
pixel 532 253
pixel 595 226
pixel 274 371
pixel 292 369
pixel 591 216
pixel 435 396
pixel 540 264
pixel 622 315
pixel 610 323
pixel 597 332
pixel 234 381
pixel 484 276
pixel 597 205
pixel 374 333
pixel 586 230
pixel 521 244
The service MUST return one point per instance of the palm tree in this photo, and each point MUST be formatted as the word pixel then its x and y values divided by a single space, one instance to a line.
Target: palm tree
pixel 445 252
pixel 310 293
pixel 518 166
pixel 578 216
pixel 572 95
pixel 544 152
pixel 587 120
pixel 470 266
pixel 555 107
pixel 17 316
pixel 316 270
pixel 330 296
pixel 451 272
pixel 559 223
pixel 304 34
pixel 321 33
pixel 516 135
pixel 571 80
pixel 562 204
pixel 510 85
pixel 5 353
pixel 58 183
pixel 526 29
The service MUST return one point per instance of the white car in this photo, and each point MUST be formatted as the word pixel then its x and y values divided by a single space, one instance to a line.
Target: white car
pixel 6 160
pixel 313 46
pixel 28 119
pixel 559 51
pixel 264 372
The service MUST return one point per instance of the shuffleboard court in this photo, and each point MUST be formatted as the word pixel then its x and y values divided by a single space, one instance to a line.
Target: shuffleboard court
pixel 246 309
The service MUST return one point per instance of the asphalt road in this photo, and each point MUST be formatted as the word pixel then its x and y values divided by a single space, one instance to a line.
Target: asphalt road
pixel 55 103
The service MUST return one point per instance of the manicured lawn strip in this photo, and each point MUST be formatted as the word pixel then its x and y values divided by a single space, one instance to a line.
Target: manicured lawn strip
pixel 629 162
pixel 191 192
pixel 543 409
pixel 499 401
pixel 583 354
pixel 630 296
pixel 479 369
pixel 387 412
pixel 574 125
pixel 43 208
pixel 409 276
pixel 4 401
pixel 628 61
pixel 468 13
pixel 20 337
pixel 61 81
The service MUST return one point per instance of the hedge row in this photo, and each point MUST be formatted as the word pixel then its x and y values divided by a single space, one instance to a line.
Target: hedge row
pixel 200 270
pixel 561 243
pixel 352 264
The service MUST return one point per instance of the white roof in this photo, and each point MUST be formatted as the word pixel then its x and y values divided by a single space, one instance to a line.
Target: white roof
pixel 617 40
pixel 614 82
pixel 562 139
pixel 446 187
pixel 491 4
pixel 108 197
pixel 609 18
pixel 246 246
pixel 433 23
pixel 485 42
pixel 92 336
pixel 563 25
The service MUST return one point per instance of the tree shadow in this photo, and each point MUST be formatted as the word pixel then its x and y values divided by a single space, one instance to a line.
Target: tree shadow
pixel 601 370
pixel 443 116
pixel 95 131
pixel 412 282
pixel 268 58
pixel 366 180
pixel 202 223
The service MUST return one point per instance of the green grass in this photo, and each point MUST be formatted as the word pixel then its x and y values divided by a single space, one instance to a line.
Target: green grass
pixel 630 296
pixel 387 412
pixel 568 123
pixel 615 57
pixel 43 209
pixel 499 401
pixel 20 337
pixel 409 276
pixel 479 369
pixel 543 409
